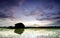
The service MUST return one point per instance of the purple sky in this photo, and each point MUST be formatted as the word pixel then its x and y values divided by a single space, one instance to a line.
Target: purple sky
pixel 30 10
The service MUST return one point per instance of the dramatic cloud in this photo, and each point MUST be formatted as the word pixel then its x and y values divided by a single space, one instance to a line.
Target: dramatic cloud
pixel 7 7
pixel 30 10
pixel 47 10
pixel 8 3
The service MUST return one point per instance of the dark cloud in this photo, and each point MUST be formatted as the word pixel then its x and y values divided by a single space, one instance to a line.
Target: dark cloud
pixel 8 5
pixel 49 5
pixel 50 16
pixel 2 15
pixel 57 1
pixel 57 23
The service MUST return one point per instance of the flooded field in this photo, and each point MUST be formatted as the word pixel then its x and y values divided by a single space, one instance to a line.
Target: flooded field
pixel 30 33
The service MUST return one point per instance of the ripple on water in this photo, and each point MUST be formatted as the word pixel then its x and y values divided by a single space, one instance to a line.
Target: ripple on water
pixel 31 33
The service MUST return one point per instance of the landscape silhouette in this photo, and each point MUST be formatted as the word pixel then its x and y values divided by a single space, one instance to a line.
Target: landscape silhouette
pixel 19 28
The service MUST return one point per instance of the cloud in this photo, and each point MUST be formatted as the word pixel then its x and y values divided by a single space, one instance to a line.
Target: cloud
pixel 49 16
pixel 56 23
pixel 8 3
pixel 47 9
pixel 7 7
pixel 2 15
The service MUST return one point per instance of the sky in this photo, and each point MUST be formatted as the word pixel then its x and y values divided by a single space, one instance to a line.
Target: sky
pixel 30 12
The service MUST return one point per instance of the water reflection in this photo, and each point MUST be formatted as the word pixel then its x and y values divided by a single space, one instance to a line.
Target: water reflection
pixel 19 30
pixel 29 33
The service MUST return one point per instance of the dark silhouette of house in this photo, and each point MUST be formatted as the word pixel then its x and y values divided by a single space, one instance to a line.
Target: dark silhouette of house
pixel 19 25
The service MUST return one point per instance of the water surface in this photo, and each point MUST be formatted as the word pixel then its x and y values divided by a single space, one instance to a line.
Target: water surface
pixel 30 33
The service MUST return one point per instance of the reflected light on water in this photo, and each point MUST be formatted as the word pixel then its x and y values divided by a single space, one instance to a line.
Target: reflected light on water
pixel 31 33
